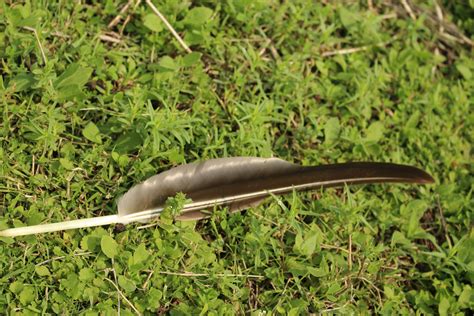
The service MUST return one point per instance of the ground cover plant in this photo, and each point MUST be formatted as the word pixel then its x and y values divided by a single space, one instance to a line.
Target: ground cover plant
pixel 91 104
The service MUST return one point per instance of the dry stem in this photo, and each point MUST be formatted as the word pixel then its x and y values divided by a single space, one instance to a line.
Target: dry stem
pixel 169 26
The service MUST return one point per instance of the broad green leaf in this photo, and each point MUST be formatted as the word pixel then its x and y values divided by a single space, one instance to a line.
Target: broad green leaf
pixel 154 297
pixel 70 92
pixel 7 240
pixel 74 75
pixel 140 254
pixel 375 132
pixel 34 218
pixel 175 156
pixel 27 295
pixel 322 67
pixel 90 242
pixel 23 15
pixel 388 291
pixel 122 160
pixel 412 122
pixel 92 133
pixel 317 272
pixel 333 288
pixel 66 163
pixel 464 249
pixel 443 307
pixel 298 306
pixel 86 274
pixel 167 63
pixel 91 293
pixel 126 284
pixel 22 82
pixel 466 297
pixel 152 22
pixel 16 287
pixel 332 130
pixel 399 239
pixel 191 59
pixel 194 38
pixel 128 142
pixel 416 208
pixel 109 246
pixel 308 245
pixel 348 18
pixel 71 285
pixel 295 267
pixel 465 71
pixel 69 84
pixel 198 16
pixel 42 271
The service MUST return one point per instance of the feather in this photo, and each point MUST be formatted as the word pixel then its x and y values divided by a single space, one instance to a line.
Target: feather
pixel 239 182
pixel 236 183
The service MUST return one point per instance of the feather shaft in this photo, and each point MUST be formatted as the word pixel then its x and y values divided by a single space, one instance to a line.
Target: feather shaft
pixel 80 223
pixel 66 225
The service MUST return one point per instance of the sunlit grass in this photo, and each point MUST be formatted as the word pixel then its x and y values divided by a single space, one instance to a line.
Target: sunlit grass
pixel 80 127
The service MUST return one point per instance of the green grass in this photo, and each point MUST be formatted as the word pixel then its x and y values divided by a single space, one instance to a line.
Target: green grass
pixel 95 117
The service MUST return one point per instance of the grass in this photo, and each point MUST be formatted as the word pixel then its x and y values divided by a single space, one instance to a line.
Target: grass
pixel 85 116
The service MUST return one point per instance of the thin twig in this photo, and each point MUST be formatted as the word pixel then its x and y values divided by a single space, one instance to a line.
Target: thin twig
pixel 108 38
pixel 125 22
pixel 451 31
pixel 117 19
pixel 466 39
pixel 33 165
pixel 329 310
pixel 443 222
pixel 375 287
pixel 453 38
pixel 282 295
pixel 436 52
pixel 43 55
pixel 220 275
pixel 370 5
pixel 349 257
pixel 269 44
pixel 345 51
pixel 439 14
pixel 116 281
pixel 361 267
pixel 62 257
pixel 408 9
pixel 59 34
pixel 154 223
pixel 147 280
pixel 124 297
pixel 352 50
pixel 168 25
pixel 388 16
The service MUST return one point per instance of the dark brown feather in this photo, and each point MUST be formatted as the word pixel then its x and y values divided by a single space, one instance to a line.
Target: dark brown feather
pixel 241 182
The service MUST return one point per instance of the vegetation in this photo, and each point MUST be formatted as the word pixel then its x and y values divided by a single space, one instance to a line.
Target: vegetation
pixel 87 110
